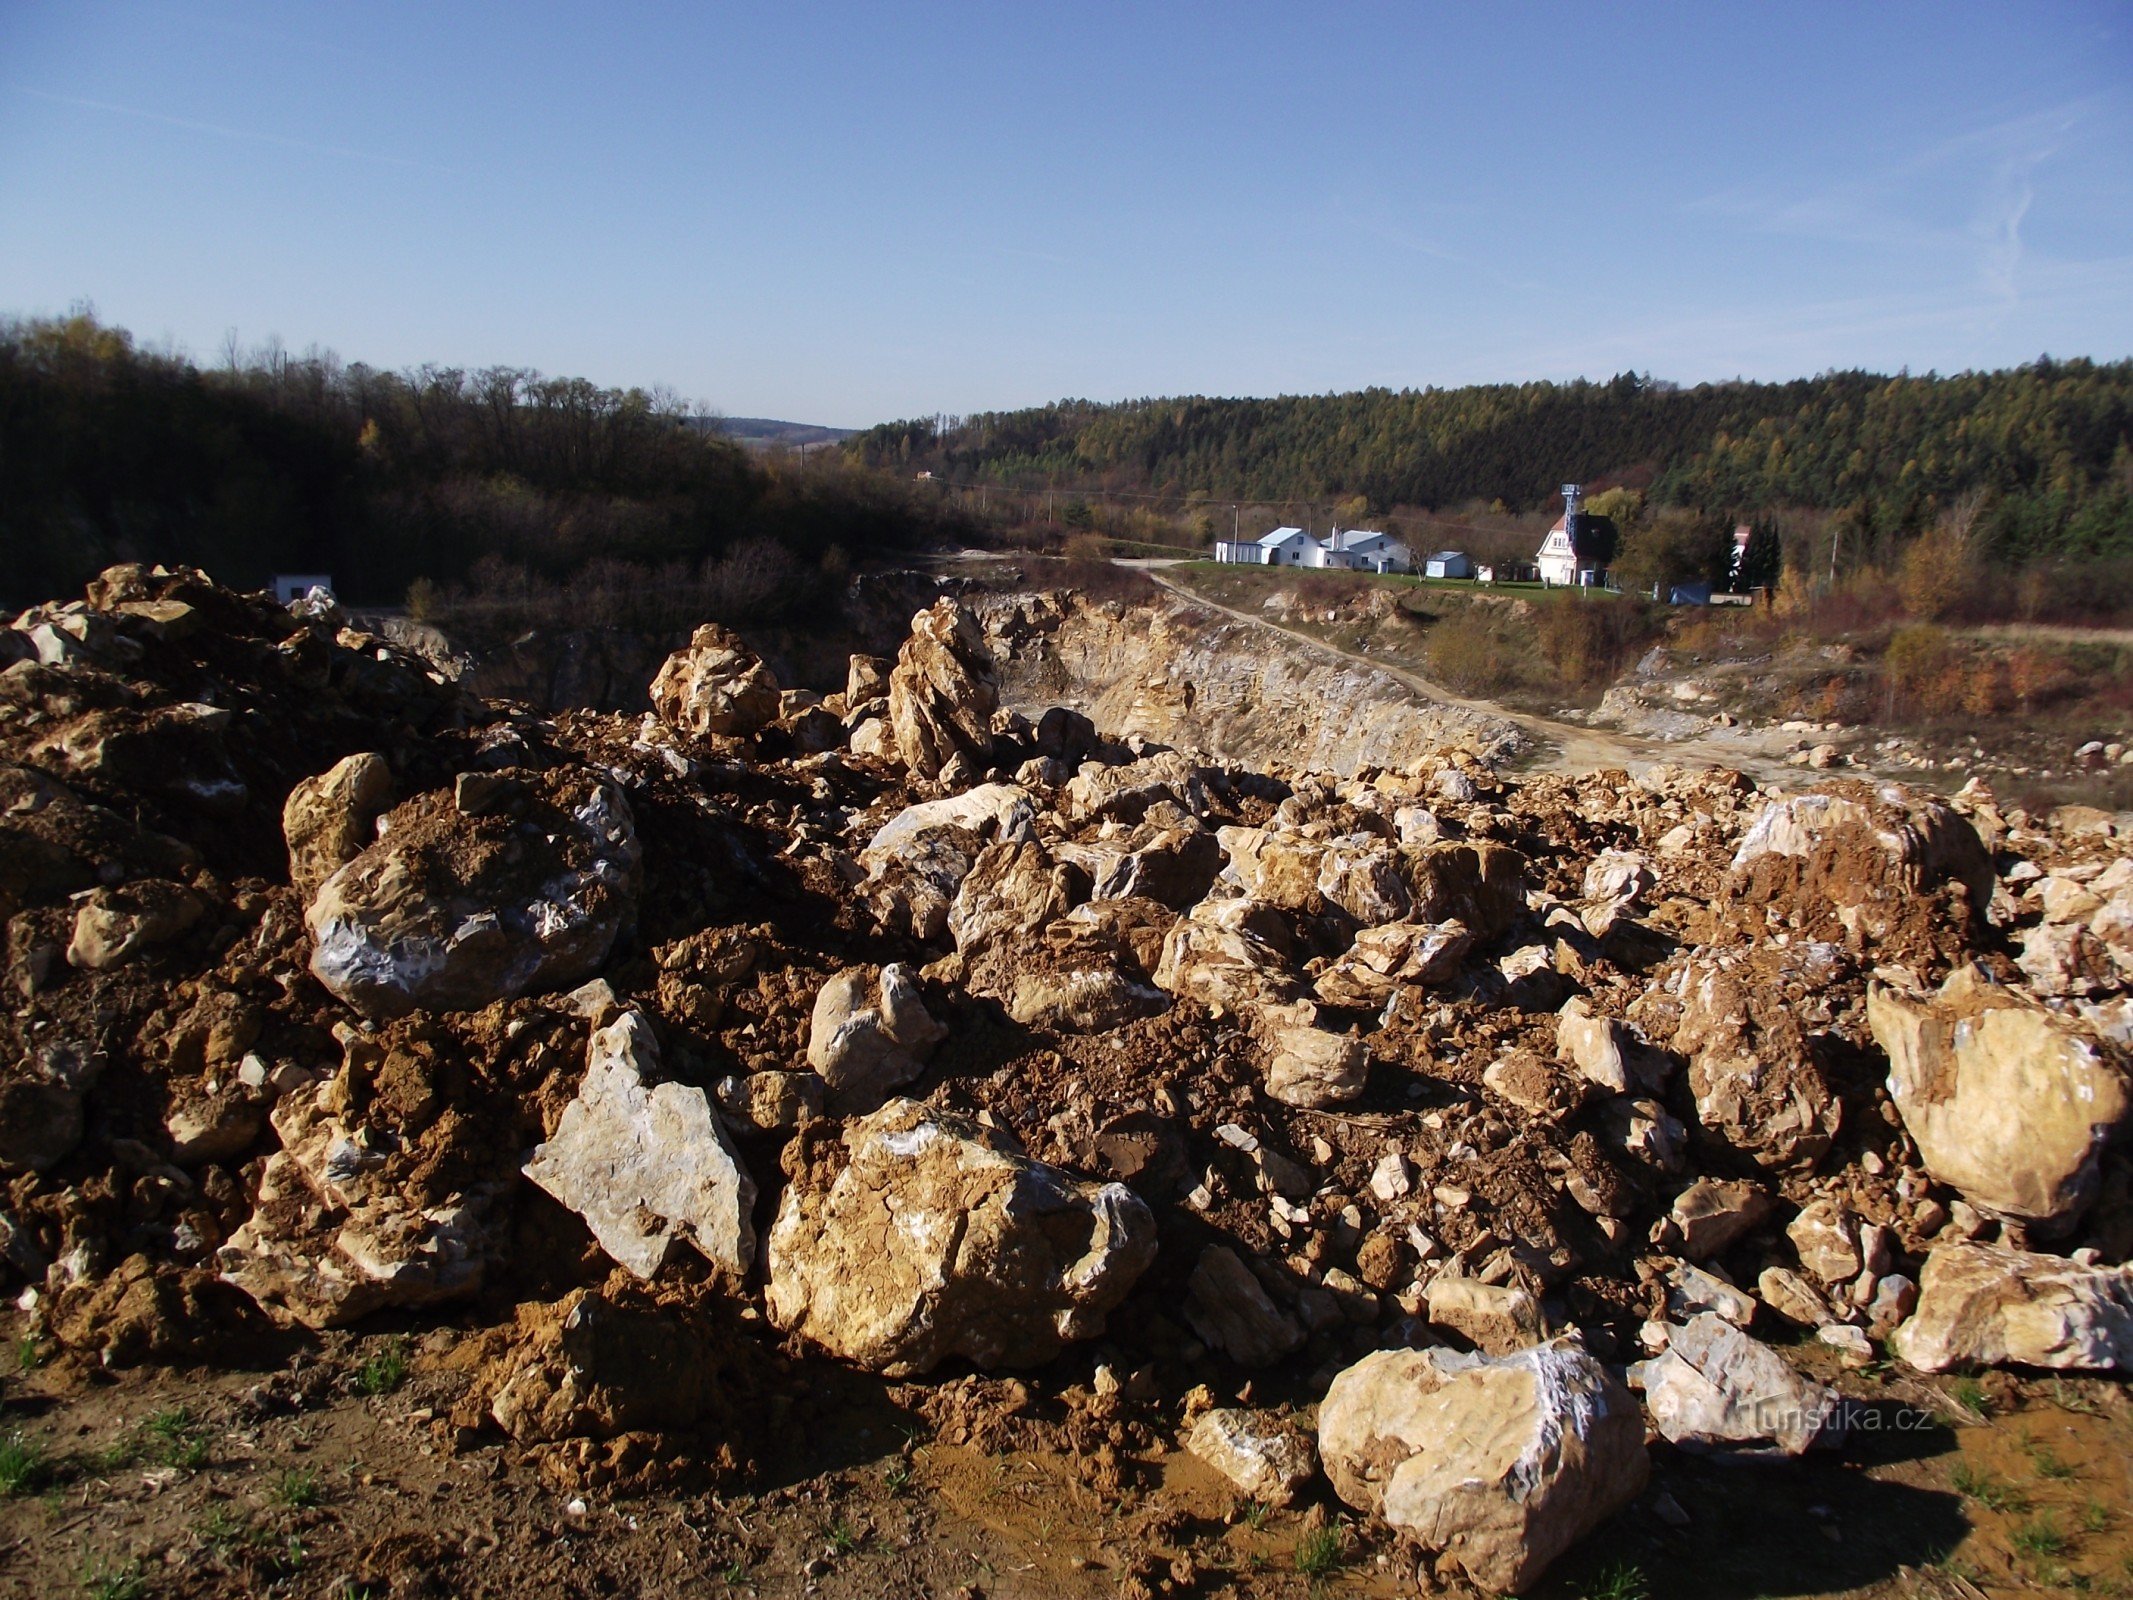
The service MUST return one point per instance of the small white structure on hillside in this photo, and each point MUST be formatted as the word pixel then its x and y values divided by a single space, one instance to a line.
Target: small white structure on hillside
pixel 1356 550
pixel 1284 547
pixel 1448 564
pixel 289 586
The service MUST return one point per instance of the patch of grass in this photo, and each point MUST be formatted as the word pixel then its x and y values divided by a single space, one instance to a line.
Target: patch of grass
pixel 1970 1394
pixel 173 1438
pixel 2050 1464
pixel 29 1354
pixel 22 1465
pixel 1318 1552
pixel 1989 1491
pixel 2067 1398
pixel 384 1370
pixel 2095 1517
pixel 841 1537
pixel 2042 1536
pixel 735 1576
pixel 296 1488
pixel 1255 1514
pixel 1623 1581
pixel 114 1583
pixel 222 1529
pixel 897 1478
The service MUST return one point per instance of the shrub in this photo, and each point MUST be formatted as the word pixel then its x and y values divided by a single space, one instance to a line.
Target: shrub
pixel 1465 652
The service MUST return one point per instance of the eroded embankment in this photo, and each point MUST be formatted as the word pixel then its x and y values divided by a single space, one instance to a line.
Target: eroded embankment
pixel 1184 674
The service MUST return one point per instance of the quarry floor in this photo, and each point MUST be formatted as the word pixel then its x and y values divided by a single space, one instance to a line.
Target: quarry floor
pixel 195 1484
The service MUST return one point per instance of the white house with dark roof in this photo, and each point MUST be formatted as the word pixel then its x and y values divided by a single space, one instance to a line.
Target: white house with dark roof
pixel 1358 549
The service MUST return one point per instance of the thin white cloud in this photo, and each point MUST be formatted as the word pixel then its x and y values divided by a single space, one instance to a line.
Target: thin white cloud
pixel 1896 207
pixel 251 136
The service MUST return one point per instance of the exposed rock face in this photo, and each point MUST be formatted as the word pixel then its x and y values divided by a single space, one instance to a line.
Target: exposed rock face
pixel 329 820
pixel 1263 1456
pixel 41 1107
pixel 2009 1103
pixel 1502 1463
pixel 1716 1389
pixel 449 912
pixel 1175 671
pixel 1381 959
pixel 647 1163
pixel 870 1033
pixel 1757 1085
pixel 943 692
pixel 593 1367
pixel 940 1239
pixel 715 687
pixel 1983 1305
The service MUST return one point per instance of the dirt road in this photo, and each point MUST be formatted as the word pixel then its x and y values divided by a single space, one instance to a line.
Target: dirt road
pixel 1563 747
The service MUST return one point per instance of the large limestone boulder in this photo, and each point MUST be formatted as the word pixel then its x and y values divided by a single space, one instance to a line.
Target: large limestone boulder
pixel 647 1164
pixel 451 912
pixel 1307 1065
pixel 117 925
pixel 352 1217
pixel 1478 883
pixel 870 1033
pixel 939 1238
pixel 717 686
pixel 1714 1388
pixel 1011 893
pixel 1866 855
pixel 1985 1305
pixel 1501 1462
pixel 328 820
pixel 917 861
pixel 943 692
pixel 1220 955
pixel 2010 1103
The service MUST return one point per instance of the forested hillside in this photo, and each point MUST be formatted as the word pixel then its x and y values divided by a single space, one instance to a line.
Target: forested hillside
pixel 109 452
pixel 2046 445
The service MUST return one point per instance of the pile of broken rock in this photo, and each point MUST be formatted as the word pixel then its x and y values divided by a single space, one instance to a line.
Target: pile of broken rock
pixel 1454 1111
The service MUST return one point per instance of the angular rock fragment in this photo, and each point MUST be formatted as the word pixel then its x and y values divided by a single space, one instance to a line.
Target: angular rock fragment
pixel 1307 1065
pixel 113 926
pixel 1263 1456
pixel 592 1367
pixel 345 1225
pixel 942 692
pixel 717 686
pixel 1232 1313
pixel 1501 1463
pixel 1383 958
pixel 940 1239
pixel 870 1033
pixel 646 1163
pixel 1985 1305
pixel 1716 1389
pixel 1713 1213
pixel 1496 1319
pixel 329 820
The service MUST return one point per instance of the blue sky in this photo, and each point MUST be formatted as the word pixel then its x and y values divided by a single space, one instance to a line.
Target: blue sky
pixel 843 213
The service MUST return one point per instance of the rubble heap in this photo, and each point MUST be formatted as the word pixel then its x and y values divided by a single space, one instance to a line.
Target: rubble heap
pixel 1450 1109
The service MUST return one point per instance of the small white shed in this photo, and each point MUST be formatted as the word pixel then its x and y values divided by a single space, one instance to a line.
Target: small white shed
pixel 1448 564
